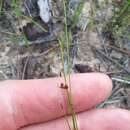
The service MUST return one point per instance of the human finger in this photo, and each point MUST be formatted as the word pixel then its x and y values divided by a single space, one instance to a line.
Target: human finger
pixel 34 101
pixel 105 119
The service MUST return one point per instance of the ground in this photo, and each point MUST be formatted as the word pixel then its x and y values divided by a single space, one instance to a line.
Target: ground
pixel 92 50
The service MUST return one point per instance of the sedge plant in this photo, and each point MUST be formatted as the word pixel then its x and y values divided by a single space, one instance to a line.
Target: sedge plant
pixel 65 42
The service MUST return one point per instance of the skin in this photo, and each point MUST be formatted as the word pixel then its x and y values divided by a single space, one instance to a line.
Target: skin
pixel 36 104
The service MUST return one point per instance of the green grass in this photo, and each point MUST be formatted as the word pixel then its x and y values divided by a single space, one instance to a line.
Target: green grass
pixel 77 13
pixel 65 42
pixel 119 24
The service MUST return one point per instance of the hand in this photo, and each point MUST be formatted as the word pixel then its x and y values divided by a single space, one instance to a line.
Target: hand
pixel 36 104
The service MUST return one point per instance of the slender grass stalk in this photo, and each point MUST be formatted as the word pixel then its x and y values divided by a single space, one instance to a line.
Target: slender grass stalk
pixel 35 23
pixel 9 33
pixel 25 40
pixel 65 43
pixel 125 8
pixel 62 58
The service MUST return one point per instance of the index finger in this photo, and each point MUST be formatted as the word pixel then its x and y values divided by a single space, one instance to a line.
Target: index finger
pixel 35 101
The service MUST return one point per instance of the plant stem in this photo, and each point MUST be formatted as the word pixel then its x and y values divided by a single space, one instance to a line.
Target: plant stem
pixel 67 77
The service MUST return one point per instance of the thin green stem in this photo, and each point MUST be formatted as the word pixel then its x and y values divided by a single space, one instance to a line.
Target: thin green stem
pixel 34 22
pixel 125 8
pixel 62 59
pixel 67 37
pixel 69 93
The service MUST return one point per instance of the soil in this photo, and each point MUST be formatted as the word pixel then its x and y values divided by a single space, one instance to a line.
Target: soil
pixel 91 52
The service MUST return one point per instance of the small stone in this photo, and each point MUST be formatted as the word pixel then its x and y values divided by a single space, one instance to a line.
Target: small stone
pixel 116 55
pixel 94 39
pixel 45 10
pixel 83 68
pixel 103 68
